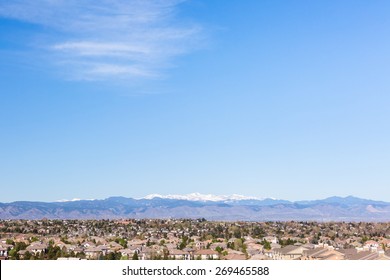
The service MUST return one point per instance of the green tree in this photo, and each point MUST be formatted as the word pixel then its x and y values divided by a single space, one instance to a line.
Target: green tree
pixel 364 239
pixel 258 232
pixel 266 244
pixel 10 242
pixel 237 233
pixel 237 244
pixel 14 252
pixel 27 255
pixel 121 242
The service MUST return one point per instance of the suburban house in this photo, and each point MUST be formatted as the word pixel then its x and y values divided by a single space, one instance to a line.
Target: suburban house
pixel 290 252
pixel 368 255
pixel 234 255
pixel 179 254
pixel 92 253
pixel 36 248
pixel 206 254
pixel 259 257
pixel 128 252
pixel 104 249
pixel 115 246
pixel 3 253
pixel 222 245
pixel 271 239
pixel 88 244
pixel 322 254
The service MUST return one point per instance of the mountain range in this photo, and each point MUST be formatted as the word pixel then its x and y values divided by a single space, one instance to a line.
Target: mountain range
pixel 210 207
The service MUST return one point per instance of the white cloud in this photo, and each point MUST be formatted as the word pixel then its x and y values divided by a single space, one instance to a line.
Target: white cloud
pixel 102 49
pixel 106 39
pixel 113 69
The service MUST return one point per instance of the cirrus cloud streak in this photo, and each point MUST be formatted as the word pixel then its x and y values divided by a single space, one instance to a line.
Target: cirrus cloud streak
pixel 98 40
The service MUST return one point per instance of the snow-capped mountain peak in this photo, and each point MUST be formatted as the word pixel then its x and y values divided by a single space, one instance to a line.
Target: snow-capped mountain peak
pixel 74 199
pixel 202 197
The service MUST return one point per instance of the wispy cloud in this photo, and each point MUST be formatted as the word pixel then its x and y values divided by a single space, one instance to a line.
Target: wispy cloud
pixel 108 38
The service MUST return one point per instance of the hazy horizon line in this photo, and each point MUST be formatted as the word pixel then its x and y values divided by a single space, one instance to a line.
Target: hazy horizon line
pixel 213 198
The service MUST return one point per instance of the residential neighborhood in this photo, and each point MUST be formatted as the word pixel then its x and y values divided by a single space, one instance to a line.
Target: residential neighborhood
pixel 186 239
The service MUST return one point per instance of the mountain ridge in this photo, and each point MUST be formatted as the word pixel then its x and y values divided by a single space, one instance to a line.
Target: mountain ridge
pixel 234 207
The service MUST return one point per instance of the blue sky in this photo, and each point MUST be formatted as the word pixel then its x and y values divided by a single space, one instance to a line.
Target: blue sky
pixel 285 99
